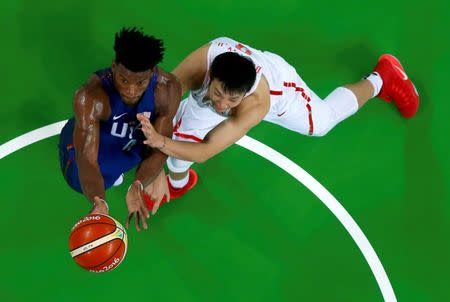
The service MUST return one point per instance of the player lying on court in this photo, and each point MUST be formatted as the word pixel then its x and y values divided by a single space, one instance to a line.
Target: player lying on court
pixel 103 140
pixel 234 86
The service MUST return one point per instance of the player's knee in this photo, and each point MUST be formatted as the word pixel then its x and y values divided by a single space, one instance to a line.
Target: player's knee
pixel 324 119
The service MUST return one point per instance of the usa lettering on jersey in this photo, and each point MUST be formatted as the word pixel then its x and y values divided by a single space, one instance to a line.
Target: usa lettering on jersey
pixel 125 126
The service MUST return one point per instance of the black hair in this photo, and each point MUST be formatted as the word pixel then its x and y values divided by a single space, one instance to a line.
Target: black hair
pixel 237 73
pixel 137 51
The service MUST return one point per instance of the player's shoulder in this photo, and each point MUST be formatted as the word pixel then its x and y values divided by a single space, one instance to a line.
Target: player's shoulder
pixel 91 91
pixel 91 96
pixel 222 42
pixel 167 81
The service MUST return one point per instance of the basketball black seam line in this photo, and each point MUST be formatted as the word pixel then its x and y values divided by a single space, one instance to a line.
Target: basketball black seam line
pixel 112 253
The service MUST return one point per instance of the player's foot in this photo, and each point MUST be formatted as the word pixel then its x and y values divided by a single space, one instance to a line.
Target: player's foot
pixel 397 86
pixel 174 192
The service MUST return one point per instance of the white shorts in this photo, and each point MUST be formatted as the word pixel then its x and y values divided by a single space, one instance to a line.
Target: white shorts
pixel 293 105
pixel 191 124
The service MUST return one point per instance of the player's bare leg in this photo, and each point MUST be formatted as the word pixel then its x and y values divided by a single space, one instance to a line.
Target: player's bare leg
pixel 178 176
pixel 363 90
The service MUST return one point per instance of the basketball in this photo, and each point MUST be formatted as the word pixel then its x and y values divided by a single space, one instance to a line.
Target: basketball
pixel 98 243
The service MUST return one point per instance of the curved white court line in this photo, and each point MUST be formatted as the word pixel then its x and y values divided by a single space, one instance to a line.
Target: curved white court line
pixel 276 158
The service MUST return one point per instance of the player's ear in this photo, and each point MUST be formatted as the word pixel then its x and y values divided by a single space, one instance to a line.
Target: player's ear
pixel 113 65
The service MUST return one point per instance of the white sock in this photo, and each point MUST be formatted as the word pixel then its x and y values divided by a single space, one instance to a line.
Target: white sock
pixel 177 184
pixel 118 181
pixel 376 81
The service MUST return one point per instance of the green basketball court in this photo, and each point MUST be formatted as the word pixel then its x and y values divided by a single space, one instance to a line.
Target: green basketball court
pixel 248 231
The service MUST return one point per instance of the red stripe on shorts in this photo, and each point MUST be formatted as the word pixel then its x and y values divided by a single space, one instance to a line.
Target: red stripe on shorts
pixel 276 92
pixel 311 124
pixel 308 105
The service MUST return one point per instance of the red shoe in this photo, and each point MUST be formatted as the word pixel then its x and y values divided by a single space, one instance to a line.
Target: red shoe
pixel 174 192
pixel 397 86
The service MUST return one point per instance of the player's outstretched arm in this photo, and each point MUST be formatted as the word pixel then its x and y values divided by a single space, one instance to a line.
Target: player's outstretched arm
pixel 88 111
pixel 167 100
pixel 248 114
pixel 221 137
pixel 191 71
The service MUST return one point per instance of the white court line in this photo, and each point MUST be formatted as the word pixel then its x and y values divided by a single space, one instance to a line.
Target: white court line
pixel 30 138
pixel 281 161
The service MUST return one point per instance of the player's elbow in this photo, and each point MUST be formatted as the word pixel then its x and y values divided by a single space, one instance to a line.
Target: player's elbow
pixel 204 156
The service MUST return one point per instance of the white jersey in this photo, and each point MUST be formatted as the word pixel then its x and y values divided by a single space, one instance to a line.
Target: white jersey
pixel 274 68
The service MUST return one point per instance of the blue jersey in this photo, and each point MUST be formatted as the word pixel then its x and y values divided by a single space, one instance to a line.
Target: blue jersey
pixel 121 140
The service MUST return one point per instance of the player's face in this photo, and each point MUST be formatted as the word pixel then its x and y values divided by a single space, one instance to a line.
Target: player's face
pixel 130 85
pixel 221 100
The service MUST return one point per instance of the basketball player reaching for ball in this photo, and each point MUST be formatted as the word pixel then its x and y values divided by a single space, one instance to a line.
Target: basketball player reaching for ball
pixel 104 139
pixel 234 86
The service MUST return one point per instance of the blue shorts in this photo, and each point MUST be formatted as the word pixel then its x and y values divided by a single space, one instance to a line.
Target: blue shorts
pixel 69 167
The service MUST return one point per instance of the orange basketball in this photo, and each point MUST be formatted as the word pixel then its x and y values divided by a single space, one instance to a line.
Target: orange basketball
pixel 98 243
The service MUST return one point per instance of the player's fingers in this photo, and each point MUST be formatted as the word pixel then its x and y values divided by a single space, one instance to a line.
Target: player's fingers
pixel 143 206
pixel 147 132
pixel 148 125
pixel 156 206
pixel 137 222
pixel 144 120
pixel 143 124
pixel 167 196
pixel 144 220
pixel 141 192
pixel 128 220
pixel 140 117
pixel 145 210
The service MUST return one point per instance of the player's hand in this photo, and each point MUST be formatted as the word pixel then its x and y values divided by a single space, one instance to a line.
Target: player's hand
pixel 100 206
pixel 136 206
pixel 154 139
pixel 157 190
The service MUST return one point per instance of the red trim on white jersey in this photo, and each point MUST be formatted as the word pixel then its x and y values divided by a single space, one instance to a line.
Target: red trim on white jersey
pixel 244 49
pixel 178 124
pixel 189 136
